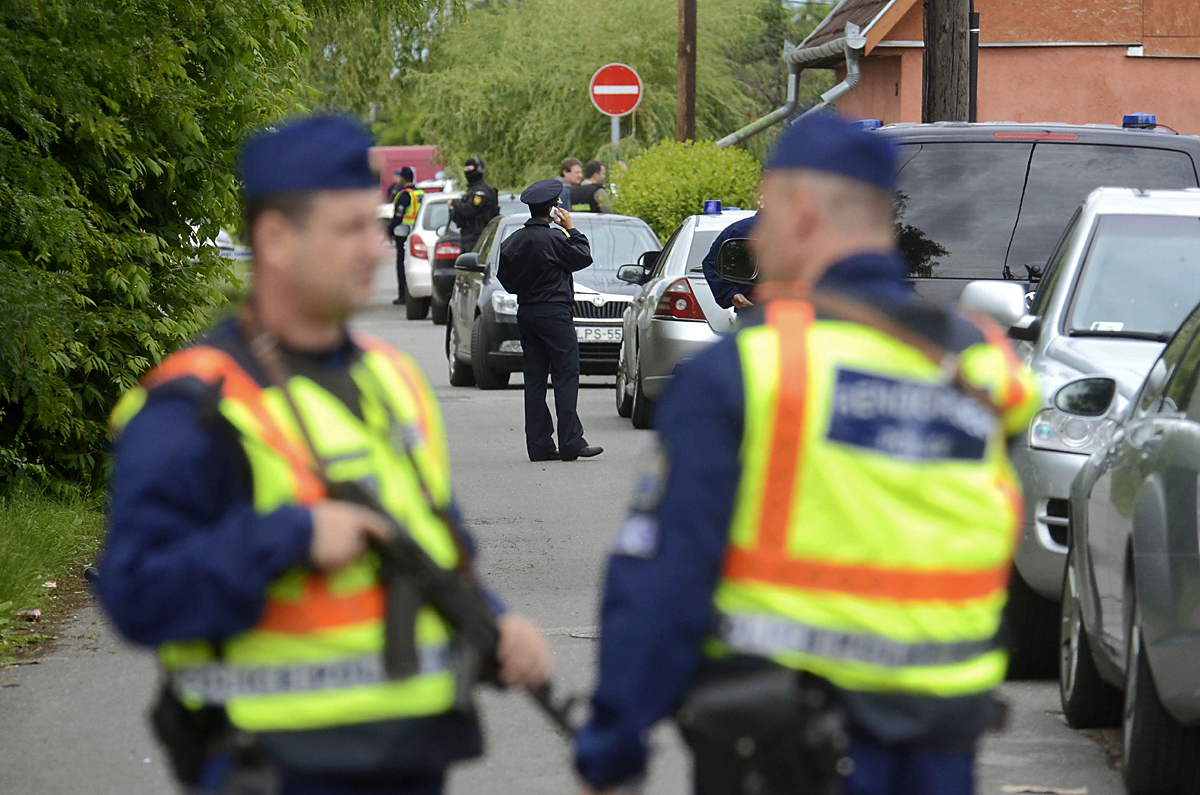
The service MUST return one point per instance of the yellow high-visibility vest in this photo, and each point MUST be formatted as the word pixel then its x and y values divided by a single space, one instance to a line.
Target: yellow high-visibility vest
pixel 314 660
pixel 877 512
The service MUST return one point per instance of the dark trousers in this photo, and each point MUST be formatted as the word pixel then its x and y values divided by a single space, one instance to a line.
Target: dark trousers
pixel 550 349
pixel 884 770
pixel 401 244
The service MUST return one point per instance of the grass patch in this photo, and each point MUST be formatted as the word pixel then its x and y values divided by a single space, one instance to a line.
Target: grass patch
pixel 42 537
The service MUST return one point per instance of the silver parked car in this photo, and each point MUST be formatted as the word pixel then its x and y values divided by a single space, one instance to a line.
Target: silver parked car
pixel 673 316
pixel 1131 595
pixel 1124 275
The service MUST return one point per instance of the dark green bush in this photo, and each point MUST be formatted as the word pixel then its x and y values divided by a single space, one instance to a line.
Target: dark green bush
pixel 670 181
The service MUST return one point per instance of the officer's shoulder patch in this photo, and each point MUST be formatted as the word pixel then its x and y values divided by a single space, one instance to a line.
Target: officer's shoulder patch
pixel 478 200
pixel 638 537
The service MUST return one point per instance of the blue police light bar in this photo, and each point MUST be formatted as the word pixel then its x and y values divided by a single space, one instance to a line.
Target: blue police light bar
pixel 712 207
pixel 869 124
pixel 1139 121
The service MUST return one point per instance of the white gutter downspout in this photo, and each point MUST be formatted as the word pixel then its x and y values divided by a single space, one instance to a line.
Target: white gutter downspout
pixel 852 44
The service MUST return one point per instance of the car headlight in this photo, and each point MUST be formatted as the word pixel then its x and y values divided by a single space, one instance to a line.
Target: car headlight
pixel 1069 433
pixel 504 303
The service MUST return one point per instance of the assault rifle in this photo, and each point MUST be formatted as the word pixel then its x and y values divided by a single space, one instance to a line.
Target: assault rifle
pixel 411 579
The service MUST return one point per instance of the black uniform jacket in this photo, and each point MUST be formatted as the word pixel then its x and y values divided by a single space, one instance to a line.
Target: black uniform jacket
pixel 473 210
pixel 537 261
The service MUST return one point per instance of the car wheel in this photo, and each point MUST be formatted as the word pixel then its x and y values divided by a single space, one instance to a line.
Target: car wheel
pixel 415 308
pixel 624 401
pixel 1088 701
pixel 1032 623
pixel 642 409
pixel 1158 754
pixel 486 376
pixel 439 312
pixel 460 373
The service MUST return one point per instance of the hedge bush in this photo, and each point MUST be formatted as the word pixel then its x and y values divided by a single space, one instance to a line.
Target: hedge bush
pixel 670 181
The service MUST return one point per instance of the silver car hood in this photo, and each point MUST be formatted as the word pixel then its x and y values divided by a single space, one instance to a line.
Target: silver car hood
pixel 1127 361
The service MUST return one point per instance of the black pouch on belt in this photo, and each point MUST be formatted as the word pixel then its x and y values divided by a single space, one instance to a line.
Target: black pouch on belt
pixel 190 737
pixel 756 728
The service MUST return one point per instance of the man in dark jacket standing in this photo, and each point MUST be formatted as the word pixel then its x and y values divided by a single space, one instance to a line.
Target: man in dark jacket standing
pixel 478 205
pixel 536 264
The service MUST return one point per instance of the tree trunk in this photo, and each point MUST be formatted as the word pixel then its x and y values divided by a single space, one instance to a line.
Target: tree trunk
pixel 946 63
pixel 685 107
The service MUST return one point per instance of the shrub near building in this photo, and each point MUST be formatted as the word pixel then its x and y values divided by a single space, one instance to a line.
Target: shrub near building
pixel 671 180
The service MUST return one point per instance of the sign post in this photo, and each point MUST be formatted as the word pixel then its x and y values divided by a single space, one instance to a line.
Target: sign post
pixel 616 91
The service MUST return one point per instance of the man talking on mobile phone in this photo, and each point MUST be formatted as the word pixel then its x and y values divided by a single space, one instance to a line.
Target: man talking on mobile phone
pixel 536 264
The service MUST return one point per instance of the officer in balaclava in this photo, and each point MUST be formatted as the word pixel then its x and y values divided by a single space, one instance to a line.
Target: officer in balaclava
pixel 478 205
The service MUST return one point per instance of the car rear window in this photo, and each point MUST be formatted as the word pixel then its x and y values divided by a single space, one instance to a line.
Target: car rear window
pixel 957 204
pixel 701 242
pixel 966 210
pixel 1062 175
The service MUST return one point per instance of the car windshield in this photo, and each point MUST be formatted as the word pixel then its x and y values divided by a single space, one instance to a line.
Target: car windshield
pixel 1141 277
pixel 613 244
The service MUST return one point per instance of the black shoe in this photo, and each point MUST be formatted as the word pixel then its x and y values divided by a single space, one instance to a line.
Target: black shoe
pixel 397 302
pixel 551 456
pixel 588 452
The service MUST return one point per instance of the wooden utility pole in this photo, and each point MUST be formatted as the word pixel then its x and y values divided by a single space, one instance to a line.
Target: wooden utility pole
pixel 685 85
pixel 946 65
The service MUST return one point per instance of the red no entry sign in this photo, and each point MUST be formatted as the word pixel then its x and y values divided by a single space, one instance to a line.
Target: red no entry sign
pixel 616 89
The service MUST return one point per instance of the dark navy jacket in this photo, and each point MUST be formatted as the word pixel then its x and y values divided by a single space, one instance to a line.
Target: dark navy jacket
pixel 187 556
pixel 723 290
pixel 657 605
pixel 537 260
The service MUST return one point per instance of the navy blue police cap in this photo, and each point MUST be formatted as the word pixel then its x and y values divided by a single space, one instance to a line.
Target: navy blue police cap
pixel 307 154
pixel 825 142
pixel 545 191
pixel 406 173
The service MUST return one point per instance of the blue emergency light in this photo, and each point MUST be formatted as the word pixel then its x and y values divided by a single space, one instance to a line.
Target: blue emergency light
pixel 1139 121
pixel 869 124
pixel 712 207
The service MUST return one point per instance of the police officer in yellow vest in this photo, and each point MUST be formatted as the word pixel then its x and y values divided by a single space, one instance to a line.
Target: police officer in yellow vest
pixel 832 497
pixel 405 206
pixel 225 550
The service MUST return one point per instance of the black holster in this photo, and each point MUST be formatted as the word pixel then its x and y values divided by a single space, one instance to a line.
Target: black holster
pixel 756 728
pixel 192 737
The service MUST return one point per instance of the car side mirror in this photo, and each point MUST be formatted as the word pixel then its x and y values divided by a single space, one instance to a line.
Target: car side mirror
pixel 648 260
pixel 469 262
pixel 1003 302
pixel 1086 397
pixel 633 274
pixel 736 263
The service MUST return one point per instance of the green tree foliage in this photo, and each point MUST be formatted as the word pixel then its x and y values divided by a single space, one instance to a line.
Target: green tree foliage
pixel 510 81
pixel 119 123
pixel 670 181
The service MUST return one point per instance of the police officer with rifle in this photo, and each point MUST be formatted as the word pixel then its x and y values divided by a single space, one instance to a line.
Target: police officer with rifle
pixel 812 573
pixel 283 527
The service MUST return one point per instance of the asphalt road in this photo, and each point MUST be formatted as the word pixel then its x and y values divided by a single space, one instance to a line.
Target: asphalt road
pixel 74 722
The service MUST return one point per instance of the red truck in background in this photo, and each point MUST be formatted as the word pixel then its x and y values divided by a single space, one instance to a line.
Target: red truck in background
pixel 425 162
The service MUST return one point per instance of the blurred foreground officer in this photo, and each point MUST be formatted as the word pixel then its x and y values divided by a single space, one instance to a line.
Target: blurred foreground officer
pixel 224 548
pixel 536 263
pixel 477 206
pixel 824 547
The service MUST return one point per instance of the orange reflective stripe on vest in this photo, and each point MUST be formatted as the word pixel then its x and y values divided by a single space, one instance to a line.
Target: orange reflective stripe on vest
pixel 320 609
pixel 769 560
pixel 214 366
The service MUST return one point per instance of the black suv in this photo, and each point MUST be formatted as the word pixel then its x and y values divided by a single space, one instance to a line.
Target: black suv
pixel 446 251
pixel 990 201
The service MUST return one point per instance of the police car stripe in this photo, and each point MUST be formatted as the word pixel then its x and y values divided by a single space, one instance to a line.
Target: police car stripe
pixel 763 635
pixel 219 683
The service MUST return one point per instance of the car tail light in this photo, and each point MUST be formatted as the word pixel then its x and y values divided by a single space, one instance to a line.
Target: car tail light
pixel 679 302
pixel 416 247
pixel 446 250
